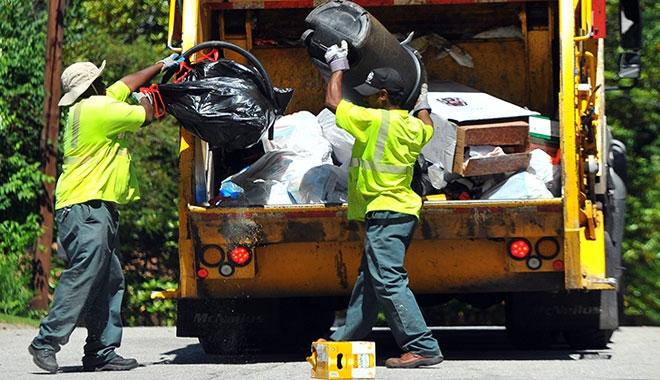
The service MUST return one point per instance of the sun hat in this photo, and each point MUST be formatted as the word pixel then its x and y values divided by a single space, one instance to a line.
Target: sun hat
pixel 76 79
pixel 381 78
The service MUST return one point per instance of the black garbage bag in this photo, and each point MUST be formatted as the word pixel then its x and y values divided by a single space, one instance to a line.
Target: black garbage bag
pixel 224 103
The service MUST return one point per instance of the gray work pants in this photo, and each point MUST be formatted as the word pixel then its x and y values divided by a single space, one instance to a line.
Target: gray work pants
pixel 91 287
pixel 382 283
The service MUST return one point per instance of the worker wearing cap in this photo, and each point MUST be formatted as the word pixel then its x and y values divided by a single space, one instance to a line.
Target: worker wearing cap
pixel 96 174
pixel 387 143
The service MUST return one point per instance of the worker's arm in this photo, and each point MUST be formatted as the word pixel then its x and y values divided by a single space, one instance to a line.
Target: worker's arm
pixel 145 101
pixel 425 116
pixel 422 109
pixel 138 79
pixel 337 57
pixel 333 94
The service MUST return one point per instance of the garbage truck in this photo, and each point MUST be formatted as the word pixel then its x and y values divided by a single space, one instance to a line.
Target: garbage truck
pixel 260 274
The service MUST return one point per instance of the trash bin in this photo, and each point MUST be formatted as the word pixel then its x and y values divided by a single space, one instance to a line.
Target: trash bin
pixel 370 46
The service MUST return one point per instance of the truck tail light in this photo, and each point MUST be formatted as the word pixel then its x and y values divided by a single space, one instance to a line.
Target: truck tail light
pixel 240 256
pixel 519 248
pixel 202 273
pixel 547 248
pixel 226 270
pixel 534 263
pixel 212 255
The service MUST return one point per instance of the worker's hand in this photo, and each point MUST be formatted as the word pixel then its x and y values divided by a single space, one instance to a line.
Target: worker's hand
pixel 337 57
pixel 171 61
pixel 138 96
pixel 422 102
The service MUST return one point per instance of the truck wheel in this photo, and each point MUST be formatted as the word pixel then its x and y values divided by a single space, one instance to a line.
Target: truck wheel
pixel 521 331
pixel 230 342
pixel 588 339
pixel 525 339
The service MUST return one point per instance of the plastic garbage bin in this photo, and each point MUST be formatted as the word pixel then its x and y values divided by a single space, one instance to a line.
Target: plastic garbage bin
pixel 370 46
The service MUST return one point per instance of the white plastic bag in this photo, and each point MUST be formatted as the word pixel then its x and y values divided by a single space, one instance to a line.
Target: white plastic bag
pixel 341 141
pixel 541 165
pixel 324 184
pixel 522 185
pixel 301 134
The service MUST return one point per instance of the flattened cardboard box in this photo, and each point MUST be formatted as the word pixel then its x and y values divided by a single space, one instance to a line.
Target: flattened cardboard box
pixel 512 136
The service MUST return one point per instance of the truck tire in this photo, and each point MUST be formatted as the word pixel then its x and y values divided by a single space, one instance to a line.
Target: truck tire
pixel 588 339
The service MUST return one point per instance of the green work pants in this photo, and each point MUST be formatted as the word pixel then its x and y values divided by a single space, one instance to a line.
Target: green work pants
pixel 91 287
pixel 382 283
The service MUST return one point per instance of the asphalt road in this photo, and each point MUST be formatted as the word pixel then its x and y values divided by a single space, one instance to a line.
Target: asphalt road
pixel 470 353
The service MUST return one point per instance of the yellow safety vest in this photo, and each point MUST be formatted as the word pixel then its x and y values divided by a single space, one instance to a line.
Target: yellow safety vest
pixel 386 147
pixel 97 164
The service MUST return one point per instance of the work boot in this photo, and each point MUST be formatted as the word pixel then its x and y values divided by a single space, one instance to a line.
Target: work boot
pixel 411 360
pixel 115 364
pixel 44 358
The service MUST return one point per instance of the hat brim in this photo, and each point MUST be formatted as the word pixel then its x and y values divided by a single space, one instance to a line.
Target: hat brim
pixel 366 90
pixel 70 97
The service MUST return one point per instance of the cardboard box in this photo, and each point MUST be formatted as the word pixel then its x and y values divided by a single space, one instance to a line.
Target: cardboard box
pixel 544 134
pixel 464 105
pixel 473 118
pixel 343 360
pixel 512 137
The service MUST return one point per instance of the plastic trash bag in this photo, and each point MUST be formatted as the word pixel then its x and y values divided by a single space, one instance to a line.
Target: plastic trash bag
pixel 262 181
pixel 324 184
pixel 224 103
pixel 301 134
pixel 522 185
pixel 541 165
pixel 341 141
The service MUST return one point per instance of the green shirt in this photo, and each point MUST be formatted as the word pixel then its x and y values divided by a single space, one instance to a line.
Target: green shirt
pixel 97 164
pixel 386 147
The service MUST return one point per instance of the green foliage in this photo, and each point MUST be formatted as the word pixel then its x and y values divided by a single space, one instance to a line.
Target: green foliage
pixel 15 266
pixel 635 119
pixel 147 311
pixel 22 51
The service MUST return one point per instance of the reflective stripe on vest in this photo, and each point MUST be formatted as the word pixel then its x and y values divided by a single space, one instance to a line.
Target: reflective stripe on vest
pixel 375 164
pixel 75 126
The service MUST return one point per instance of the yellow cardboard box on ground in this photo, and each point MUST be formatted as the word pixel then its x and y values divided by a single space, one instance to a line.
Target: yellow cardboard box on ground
pixel 343 360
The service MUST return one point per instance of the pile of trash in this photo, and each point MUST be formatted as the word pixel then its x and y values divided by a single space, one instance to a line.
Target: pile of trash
pixel 307 161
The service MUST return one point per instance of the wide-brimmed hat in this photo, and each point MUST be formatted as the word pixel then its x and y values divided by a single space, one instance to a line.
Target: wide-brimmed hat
pixel 381 78
pixel 76 79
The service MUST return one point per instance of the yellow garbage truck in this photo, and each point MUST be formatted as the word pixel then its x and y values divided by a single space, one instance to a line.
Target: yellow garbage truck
pixel 253 274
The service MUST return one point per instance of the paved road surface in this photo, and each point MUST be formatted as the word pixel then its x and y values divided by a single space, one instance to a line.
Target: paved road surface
pixel 470 353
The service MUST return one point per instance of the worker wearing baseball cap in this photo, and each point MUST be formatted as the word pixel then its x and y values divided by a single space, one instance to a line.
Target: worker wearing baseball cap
pixel 96 175
pixel 387 143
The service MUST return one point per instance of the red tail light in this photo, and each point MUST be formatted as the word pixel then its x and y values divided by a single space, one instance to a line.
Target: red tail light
pixel 558 265
pixel 240 256
pixel 519 248
pixel 202 273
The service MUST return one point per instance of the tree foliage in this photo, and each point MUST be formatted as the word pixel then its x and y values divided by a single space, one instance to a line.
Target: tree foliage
pixel 22 51
pixel 634 116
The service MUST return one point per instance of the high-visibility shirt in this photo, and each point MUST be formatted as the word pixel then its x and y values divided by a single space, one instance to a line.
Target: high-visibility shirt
pixel 97 164
pixel 387 143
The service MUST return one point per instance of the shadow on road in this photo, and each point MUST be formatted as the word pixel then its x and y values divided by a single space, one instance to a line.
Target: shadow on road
pixel 456 344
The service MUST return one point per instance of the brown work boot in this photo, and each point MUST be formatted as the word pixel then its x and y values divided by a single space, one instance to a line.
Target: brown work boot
pixel 411 360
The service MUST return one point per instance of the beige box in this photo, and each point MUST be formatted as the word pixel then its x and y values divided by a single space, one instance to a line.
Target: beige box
pixel 343 360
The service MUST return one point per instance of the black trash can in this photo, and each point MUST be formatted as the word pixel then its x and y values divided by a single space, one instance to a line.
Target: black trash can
pixel 370 46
